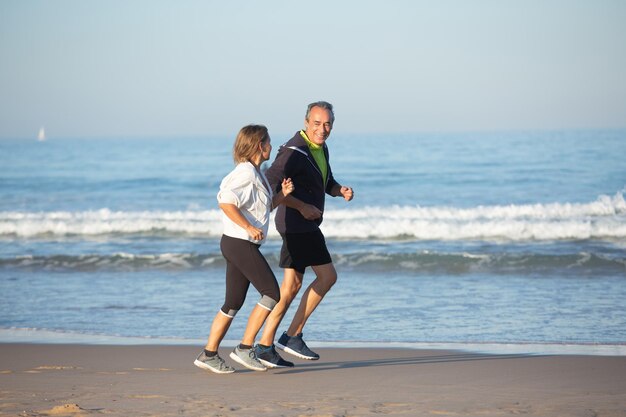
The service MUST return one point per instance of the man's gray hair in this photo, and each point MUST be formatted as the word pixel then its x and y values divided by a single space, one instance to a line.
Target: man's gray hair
pixel 324 105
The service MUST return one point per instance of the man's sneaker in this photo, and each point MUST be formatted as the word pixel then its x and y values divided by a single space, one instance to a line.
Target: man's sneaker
pixel 247 358
pixel 213 364
pixel 295 345
pixel 270 358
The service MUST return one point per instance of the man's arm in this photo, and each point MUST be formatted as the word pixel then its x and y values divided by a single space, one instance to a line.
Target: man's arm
pixel 308 211
pixel 339 190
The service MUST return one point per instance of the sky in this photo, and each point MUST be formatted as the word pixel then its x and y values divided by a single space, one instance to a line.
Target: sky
pixel 121 68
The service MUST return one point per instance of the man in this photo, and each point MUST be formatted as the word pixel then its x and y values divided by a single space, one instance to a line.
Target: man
pixel 304 159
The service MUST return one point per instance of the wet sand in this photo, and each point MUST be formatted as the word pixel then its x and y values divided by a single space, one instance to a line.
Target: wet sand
pixel 92 380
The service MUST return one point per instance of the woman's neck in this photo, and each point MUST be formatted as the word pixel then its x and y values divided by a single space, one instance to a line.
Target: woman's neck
pixel 257 162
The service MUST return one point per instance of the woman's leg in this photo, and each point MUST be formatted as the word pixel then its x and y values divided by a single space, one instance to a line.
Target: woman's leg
pixel 258 271
pixel 220 326
pixel 236 288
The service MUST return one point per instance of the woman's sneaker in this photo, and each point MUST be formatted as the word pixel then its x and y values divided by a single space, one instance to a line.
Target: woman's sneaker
pixel 247 358
pixel 213 364
pixel 296 346
pixel 270 358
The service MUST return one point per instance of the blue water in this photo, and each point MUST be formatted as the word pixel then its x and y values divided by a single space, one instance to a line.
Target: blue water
pixel 510 237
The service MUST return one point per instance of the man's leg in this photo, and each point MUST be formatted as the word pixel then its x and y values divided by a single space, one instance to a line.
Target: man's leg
pixel 326 276
pixel 292 282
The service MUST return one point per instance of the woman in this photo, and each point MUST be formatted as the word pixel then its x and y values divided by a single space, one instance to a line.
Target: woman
pixel 246 200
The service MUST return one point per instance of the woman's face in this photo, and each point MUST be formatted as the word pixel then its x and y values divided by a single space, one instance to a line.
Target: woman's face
pixel 266 149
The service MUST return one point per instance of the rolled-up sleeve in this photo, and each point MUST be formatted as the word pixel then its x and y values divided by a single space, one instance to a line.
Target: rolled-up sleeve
pixel 228 197
pixel 236 188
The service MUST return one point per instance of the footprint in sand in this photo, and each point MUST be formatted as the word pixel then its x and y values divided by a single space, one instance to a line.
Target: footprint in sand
pixel 389 407
pixel 145 396
pixel 71 410
pixel 41 368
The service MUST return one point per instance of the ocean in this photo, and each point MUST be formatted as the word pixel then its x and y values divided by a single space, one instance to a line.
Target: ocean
pixel 505 239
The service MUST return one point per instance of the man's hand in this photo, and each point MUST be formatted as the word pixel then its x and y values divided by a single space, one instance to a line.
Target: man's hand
pixel 310 212
pixel 347 193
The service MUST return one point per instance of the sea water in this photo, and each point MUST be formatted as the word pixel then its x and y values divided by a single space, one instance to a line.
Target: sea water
pixel 506 239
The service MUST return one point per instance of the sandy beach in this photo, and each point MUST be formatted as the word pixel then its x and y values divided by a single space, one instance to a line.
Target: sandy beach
pixel 91 380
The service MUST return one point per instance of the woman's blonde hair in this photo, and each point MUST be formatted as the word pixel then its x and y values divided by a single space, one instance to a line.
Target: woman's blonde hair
pixel 247 142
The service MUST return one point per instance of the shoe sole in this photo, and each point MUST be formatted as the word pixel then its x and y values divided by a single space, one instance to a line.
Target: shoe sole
pixel 203 365
pixel 272 365
pixel 295 353
pixel 240 361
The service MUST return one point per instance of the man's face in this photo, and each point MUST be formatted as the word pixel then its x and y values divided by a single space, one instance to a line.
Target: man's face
pixel 319 125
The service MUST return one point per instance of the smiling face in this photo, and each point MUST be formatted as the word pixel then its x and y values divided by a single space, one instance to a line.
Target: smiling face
pixel 318 125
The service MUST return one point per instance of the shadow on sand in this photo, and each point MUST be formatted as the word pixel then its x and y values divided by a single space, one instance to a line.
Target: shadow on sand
pixel 401 361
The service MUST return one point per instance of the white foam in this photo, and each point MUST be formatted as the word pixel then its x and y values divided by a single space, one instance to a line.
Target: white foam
pixel 29 335
pixel 493 348
pixel 602 219
pixel 105 222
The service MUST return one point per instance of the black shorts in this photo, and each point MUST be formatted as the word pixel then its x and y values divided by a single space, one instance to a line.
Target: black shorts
pixel 300 250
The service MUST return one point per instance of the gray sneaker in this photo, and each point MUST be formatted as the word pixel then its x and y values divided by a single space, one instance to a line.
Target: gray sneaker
pixel 247 358
pixel 213 364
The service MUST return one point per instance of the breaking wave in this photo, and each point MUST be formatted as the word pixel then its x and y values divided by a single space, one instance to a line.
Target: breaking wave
pixel 416 262
pixel 602 219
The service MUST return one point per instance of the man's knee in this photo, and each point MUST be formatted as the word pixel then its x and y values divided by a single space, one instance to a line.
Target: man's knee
pixel 326 277
pixel 328 280
pixel 289 291
pixel 292 283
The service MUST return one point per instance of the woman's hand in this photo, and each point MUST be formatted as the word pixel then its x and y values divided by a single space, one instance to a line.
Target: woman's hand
pixel 287 186
pixel 254 232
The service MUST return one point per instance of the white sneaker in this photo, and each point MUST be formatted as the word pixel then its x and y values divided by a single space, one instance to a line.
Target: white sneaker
pixel 213 364
pixel 247 358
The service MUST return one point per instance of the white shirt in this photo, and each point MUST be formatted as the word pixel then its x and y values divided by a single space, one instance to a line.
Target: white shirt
pixel 250 192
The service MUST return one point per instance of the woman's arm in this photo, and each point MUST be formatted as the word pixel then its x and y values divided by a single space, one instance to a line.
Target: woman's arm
pixel 287 188
pixel 234 214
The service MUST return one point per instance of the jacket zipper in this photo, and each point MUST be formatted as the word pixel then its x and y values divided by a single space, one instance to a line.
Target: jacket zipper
pixel 311 162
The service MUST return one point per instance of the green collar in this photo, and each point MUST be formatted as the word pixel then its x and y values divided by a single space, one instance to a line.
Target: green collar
pixel 311 145
pixel 318 155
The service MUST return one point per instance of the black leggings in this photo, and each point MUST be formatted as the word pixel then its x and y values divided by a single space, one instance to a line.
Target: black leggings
pixel 244 265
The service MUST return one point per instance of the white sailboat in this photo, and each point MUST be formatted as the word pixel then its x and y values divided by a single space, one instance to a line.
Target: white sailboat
pixel 41 136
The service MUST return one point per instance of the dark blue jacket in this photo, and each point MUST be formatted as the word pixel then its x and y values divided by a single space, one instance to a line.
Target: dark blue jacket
pixel 295 161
